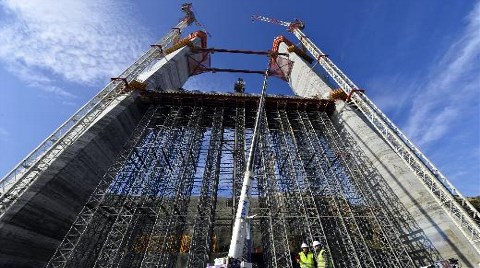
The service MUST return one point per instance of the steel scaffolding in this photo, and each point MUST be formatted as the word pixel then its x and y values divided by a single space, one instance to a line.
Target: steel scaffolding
pixel 168 199
pixel 17 181
pixel 464 214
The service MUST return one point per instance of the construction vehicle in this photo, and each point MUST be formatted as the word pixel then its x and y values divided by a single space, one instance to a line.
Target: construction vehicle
pixel 241 228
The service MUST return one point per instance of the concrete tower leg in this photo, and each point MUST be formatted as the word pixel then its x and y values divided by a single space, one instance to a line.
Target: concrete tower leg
pixel 35 224
pixel 428 213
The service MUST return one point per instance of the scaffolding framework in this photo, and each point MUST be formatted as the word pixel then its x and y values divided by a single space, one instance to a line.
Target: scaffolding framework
pixel 463 214
pixel 169 199
pixel 19 179
pixel 166 200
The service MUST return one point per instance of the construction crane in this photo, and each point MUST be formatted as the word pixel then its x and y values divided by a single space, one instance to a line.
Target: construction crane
pixel 241 228
pixel 17 181
pixel 457 206
pixel 27 171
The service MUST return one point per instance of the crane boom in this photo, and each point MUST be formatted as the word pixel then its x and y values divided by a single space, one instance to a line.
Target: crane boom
pixel 435 181
pixel 275 21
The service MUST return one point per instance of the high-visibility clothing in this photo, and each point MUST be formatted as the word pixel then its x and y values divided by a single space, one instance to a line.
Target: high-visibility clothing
pixel 307 261
pixel 321 260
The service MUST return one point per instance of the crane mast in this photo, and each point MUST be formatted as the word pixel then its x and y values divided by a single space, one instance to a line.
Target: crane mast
pixel 241 228
pixel 237 242
pixel 435 181
pixel 28 170
pixel 21 177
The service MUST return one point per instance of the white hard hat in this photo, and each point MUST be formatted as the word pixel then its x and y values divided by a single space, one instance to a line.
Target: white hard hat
pixel 304 245
pixel 316 243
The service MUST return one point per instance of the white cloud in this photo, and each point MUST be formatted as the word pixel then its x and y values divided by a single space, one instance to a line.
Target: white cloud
pixel 445 95
pixel 35 78
pixel 76 41
pixel 384 87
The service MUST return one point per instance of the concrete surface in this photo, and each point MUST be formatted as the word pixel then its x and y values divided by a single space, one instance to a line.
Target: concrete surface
pixel 33 227
pixel 430 216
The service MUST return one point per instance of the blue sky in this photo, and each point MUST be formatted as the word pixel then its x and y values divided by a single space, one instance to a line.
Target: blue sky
pixel 419 61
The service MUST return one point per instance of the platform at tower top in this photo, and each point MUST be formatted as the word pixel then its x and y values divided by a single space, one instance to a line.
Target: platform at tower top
pixel 248 101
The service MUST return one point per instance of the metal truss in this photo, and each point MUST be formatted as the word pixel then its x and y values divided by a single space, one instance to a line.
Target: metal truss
pixel 406 233
pixel 29 169
pixel 161 204
pixel 66 249
pixel 274 225
pixel 163 240
pixel 331 199
pixel 200 247
pixel 386 248
pixel 354 229
pixel 295 164
pixel 454 203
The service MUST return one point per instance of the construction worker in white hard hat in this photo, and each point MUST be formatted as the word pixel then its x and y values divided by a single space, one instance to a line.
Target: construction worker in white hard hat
pixel 322 259
pixel 306 259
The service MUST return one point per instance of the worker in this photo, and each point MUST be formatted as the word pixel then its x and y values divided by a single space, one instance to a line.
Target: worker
pixel 322 257
pixel 306 258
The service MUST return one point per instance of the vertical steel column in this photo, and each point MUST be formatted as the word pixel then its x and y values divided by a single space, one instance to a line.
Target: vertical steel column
pixel 273 226
pixel 382 250
pixel 164 238
pixel 154 193
pixel 395 223
pixel 420 248
pixel 345 197
pixel 127 208
pixel 202 233
pixel 142 185
pixel 119 202
pixel 316 165
pixel 68 245
pixel 295 193
pixel 316 227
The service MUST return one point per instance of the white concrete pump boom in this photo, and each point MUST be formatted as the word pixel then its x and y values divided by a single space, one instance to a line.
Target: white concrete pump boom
pixel 435 181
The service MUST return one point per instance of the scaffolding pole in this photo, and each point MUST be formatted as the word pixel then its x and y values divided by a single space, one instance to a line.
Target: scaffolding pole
pixel 200 247
pixel 161 204
pixel 15 183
